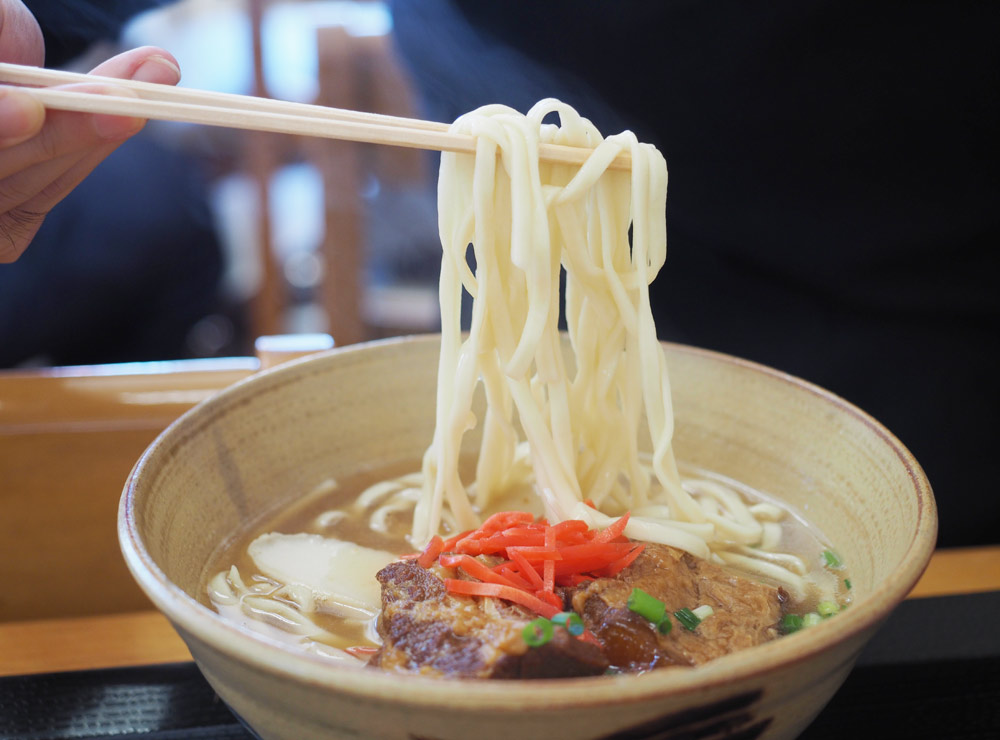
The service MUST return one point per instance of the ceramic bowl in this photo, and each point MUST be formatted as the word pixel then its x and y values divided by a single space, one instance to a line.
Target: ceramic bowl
pixel 261 443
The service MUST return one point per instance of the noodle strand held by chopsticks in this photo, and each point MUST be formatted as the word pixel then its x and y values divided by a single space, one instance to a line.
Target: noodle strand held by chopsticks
pixel 527 220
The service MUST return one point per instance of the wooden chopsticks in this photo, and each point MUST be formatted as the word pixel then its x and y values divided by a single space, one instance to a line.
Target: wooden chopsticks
pixel 167 103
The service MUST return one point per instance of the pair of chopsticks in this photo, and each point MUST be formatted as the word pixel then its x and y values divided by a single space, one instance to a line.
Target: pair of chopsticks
pixel 167 103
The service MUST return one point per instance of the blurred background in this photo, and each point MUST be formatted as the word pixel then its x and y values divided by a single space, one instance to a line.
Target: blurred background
pixel 191 241
pixel 834 206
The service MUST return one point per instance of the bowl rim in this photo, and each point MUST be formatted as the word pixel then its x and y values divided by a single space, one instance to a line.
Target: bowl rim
pixel 270 656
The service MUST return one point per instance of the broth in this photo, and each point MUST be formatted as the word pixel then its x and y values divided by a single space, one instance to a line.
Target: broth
pixel 268 606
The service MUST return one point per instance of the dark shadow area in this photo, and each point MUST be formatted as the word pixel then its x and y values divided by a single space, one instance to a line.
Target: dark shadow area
pixel 833 191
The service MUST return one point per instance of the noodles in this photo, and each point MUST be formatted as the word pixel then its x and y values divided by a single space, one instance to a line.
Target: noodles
pixel 527 220
pixel 587 426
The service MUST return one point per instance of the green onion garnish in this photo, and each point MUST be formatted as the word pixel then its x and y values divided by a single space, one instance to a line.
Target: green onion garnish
pixel 827 608
pixel 811 619
pixel 832 560
pixel 647 606
pixel 687 618
pixel 651 608
pixel 791 623
pixel 570 621
pixel 541 630
pixel 665 625
pixel 537 632
pixel 847 583
pixel 703 612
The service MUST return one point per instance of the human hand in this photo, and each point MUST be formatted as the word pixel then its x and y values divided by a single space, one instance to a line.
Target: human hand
pixel 45 154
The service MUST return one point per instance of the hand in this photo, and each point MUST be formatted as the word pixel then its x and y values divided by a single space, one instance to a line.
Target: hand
pixel 45 154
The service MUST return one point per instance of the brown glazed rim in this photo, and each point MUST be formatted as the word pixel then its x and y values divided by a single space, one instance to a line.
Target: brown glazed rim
pixel 270 656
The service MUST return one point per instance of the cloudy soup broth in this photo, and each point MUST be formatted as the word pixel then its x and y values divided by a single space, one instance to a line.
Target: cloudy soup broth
pixel 289 599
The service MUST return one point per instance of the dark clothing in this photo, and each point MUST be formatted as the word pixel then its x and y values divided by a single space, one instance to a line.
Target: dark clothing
pixel 70 26
pixel 834 205
pixel 121 269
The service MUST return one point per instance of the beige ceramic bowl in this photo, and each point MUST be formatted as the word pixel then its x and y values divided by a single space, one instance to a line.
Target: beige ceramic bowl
pixel 261 443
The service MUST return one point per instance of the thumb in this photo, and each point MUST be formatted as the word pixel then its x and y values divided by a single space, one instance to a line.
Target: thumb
pixel 20 37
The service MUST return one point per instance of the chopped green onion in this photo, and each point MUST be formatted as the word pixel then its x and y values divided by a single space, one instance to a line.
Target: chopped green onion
pixel 651 608
pixel 647 606
pixel 832 560
pixel 537 632
pixel 791 623
pixel 571 621
pixel 827 608
pixel 811 619
pixel 687 618
pixel 703 612
pixel 847 583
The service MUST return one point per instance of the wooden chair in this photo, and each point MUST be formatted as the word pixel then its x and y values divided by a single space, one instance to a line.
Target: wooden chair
pixel 359 73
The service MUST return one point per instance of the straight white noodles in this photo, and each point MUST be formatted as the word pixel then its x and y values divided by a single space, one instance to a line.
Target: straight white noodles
pixel 580 426
pixel 569 431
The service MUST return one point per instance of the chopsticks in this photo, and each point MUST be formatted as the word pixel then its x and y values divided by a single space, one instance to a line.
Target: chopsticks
pixel 167 103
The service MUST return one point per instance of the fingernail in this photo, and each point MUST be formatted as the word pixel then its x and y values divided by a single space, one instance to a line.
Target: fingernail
pixel 159 69
pixel 21 116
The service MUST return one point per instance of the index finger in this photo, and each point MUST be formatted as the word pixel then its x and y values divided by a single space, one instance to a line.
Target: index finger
pixel 144 64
